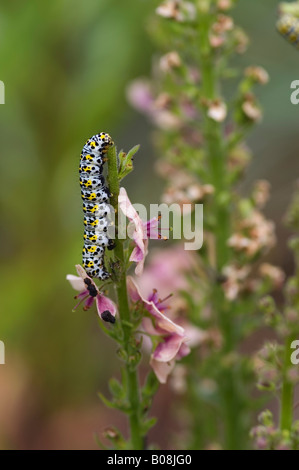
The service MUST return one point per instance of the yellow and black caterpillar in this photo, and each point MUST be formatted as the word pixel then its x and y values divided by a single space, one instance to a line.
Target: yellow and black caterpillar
pixel 288 27
pixel 96 206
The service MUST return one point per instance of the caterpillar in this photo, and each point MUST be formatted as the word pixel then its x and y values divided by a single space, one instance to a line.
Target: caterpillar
pixel 95 196
pixel 288 27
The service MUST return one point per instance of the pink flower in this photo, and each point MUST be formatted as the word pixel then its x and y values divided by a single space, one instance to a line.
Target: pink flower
pixel 178 10
pixel 217 111
pixel 167 269
pixel 142 231
pixel 89 292
pixel 172 345
pixel 140 96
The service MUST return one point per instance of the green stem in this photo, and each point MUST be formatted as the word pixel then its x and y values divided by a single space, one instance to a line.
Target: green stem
pixel 133 394
pixel 228 380
pixel 287 396
pixel 215 150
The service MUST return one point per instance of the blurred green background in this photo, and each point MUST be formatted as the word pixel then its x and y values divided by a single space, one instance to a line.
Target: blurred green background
pixel 66 65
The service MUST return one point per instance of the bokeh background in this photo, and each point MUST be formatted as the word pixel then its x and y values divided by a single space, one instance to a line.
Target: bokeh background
pixel 66 65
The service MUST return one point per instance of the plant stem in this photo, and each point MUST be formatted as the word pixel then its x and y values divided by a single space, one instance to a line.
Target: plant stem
pixel 214 139
pixel 133 393
pixel 287 396
pixel 228 379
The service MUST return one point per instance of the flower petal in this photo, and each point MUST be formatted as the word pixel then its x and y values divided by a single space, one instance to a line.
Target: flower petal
pixel 88 282
pixel 183 351
pixel 163 322
pixel 194 335
pixel 168 349
pixel 107 317
pixel 140 264
pixel 89 302
pixel 139 95
pixel 133 290
pixel 151 228
pixel 137 254
pixel 81 272
pixel 162 369
pixel 128 209
pixel 148 327
pixel 140 251
pixel 76 282
pixel 106 308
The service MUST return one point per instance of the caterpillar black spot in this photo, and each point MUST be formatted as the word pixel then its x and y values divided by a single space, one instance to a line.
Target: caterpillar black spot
pixel 95 196
pixel 288 27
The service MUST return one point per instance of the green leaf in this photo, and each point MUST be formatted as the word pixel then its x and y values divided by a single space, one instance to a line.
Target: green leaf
pixel 134 359
pixel 116 389
pixel 127 323
pixel 118 405
pixel 148 424
pixel 150 388
pixel 116 437
pixel 126 162
pixel 133 151
pixel 107 402
pixel 122 354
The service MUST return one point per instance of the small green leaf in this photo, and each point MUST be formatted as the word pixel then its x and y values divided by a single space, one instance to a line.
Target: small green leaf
pixel 122 354
pixel 126 162
pixel 148 424
pixel 116 389
pixel 118 405
pixel 134 359
pixel 127 323
pixel 107 402
pixel 133 151
pixel 150 387
pixel 116 437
